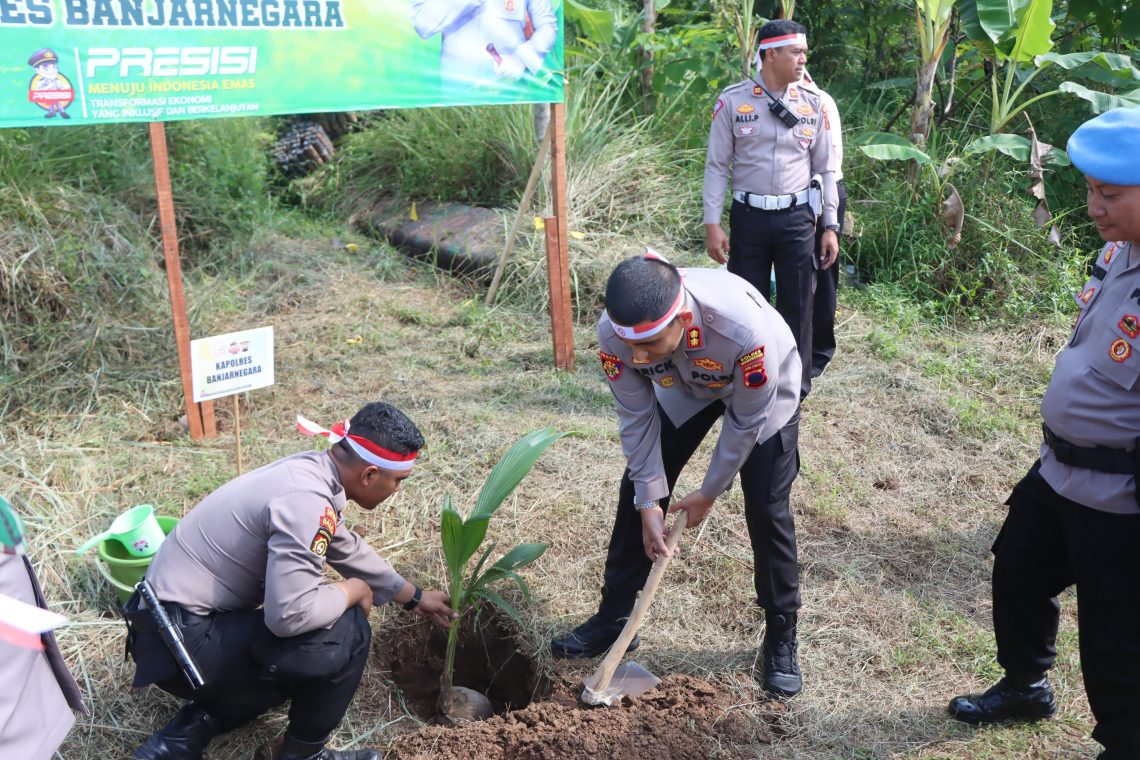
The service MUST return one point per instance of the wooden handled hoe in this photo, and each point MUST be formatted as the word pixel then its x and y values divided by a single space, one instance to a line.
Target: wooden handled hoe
pixel 612 680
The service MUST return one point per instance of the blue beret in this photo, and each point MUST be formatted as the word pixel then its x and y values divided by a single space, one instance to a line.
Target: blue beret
pixel 1107 148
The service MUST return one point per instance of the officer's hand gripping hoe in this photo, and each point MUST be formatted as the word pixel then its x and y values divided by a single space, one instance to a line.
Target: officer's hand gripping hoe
pixel 612 680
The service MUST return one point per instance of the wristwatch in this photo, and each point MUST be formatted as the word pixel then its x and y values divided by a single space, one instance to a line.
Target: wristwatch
pixel 644 505
pixel 414 602
pixel 833 227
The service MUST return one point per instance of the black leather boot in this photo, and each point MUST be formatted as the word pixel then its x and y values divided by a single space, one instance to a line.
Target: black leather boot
pixel 1011 698
pixel 591 639
pixel 293 748
pixel 185 737
pixel 781 665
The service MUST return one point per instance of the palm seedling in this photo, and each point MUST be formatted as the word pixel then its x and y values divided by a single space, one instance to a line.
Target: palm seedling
pixel 461 539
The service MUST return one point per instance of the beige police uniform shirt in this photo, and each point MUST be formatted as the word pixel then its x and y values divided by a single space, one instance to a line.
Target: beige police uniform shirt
pixel 37 693
pixel 264 539
pixel 738 349
pixel 831 112
pixel 764 157
pixel 1093 398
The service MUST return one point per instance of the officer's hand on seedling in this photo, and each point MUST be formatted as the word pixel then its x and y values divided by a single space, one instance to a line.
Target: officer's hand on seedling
pixel 696 504
pixel 356 592
pixel 653 534
pixel 716 243
pixel 434 606
pixel 828 249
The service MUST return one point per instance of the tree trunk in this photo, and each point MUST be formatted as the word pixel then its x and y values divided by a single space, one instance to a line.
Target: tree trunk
pixel 923 103
pixel 649 26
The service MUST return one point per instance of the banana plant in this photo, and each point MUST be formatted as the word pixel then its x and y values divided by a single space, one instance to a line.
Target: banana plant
pixel 932 19
pixel 461 539
pixel 1016 35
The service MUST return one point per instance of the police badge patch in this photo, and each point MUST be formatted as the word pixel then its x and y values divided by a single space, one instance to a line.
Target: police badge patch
pixel 320 544
pixel 611 365
pixel 752 368
pixel 1120 350
pixel 693 338
pixel 712 365
pixel 1129 324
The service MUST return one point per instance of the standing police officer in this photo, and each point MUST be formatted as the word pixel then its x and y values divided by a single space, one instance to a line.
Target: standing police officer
pixel 1075 518
pixel 682 348
pixel 242 576
pixel 772 136
pixel 827 284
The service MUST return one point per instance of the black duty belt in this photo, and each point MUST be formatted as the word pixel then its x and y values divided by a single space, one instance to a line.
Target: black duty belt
pixel 1098 458
pixel 141 620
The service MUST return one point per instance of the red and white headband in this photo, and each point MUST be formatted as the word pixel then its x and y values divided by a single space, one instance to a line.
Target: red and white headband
pixel 798 38
pixel 646 331
pixel 370 452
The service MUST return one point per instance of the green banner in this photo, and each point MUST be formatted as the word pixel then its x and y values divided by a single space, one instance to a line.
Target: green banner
pixel 66 62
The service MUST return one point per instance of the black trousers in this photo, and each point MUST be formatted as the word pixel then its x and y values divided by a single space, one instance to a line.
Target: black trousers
pixel 785 239
pixel 826 286
pixel 766 479
pixel 1047 544
pixel 248 670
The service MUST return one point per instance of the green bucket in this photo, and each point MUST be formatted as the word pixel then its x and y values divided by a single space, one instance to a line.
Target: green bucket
pixel 122 569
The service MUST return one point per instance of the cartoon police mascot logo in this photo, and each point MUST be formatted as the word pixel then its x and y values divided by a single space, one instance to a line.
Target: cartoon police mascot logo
pixel 49 89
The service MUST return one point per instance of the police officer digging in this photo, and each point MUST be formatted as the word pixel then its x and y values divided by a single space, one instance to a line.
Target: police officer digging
pixel 682 348
pixel 770 136
pixel 1075 518
pixel 241 577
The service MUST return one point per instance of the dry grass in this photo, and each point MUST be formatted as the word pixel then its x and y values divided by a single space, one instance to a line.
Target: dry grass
pixel 906 465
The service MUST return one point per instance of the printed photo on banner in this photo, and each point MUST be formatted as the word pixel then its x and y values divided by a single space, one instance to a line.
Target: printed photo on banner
pixel 67 62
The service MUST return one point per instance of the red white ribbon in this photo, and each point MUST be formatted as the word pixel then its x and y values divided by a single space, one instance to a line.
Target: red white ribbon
pixel 783 40
pixel 649 329
pixel 367 450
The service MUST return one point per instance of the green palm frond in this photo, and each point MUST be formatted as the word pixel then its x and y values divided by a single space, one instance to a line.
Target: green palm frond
pixel 511 469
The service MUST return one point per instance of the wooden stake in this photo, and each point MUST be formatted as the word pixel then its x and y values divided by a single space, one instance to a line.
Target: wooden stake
pixel 237 432
pixel 558 268
pixel 558 296
pixel 199 416
pixel 535 173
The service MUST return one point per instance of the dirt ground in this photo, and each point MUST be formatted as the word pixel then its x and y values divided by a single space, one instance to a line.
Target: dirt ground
pixel 910 444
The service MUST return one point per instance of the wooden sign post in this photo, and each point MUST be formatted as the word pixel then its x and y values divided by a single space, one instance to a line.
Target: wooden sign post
pixel 200 417
pixel 557 246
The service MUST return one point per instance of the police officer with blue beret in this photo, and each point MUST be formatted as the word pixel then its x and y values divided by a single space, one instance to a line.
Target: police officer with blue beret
pixel 1075 518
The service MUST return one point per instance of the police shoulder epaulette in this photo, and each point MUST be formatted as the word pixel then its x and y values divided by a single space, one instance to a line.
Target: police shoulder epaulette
pixel 742 84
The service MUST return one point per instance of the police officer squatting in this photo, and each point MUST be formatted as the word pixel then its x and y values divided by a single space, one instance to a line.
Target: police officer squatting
pixel 772 138
pixel 682 348
pixel 1074 519
pixel 241 619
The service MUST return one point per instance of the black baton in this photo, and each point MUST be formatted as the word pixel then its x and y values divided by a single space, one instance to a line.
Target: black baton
pixel 171 635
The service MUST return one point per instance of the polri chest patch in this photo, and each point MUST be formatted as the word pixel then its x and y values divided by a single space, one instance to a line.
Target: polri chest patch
pixel 611 365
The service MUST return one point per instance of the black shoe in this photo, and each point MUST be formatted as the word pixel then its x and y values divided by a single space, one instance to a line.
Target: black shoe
pixel 1006 700
pixel 591 639
pixel 295 749
pixel 781 664
pixel 782 668
pixel 817 370
pixel 185 737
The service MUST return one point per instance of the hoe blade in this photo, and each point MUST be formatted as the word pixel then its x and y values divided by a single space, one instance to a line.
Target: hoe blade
pixel 629 680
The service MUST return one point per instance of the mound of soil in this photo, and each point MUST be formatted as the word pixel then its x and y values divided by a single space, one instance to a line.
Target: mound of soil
pixel 684 718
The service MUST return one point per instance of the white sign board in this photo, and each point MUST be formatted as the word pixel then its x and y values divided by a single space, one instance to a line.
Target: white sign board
pixel 232 363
